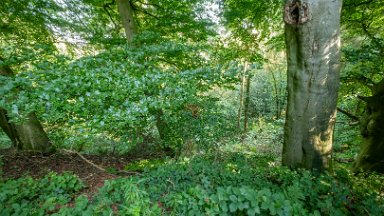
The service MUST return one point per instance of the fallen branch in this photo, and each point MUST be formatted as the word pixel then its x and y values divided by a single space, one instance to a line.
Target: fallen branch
pixel 97 166
pixel 85 159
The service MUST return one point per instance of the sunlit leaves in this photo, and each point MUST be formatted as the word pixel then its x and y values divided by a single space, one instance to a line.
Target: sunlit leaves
pixel 119 90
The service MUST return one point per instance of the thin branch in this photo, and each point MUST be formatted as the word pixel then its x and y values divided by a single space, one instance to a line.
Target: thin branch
pixel 106 7
pixel 350 115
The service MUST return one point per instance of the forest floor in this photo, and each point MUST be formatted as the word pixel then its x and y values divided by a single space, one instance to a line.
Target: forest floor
pixel 21 164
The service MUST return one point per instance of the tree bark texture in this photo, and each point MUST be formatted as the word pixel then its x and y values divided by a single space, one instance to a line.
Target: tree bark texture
pixel 28 135
pixel 312 33
pixel 371 156
pixel 127 17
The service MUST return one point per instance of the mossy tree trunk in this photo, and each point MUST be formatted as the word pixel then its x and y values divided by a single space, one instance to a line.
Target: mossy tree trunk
pixel 313 55
pixel 27 135
pixel 371 156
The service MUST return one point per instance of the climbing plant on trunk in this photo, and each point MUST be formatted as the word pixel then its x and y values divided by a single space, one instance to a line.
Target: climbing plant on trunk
pixel 312 29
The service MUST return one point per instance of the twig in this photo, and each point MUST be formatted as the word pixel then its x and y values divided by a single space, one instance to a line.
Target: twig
pixel 350 115
pixel 106 7
pixel 169 180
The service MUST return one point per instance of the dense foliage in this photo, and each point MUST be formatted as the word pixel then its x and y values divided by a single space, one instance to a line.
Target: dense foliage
pixel 246 185
pixel 198 95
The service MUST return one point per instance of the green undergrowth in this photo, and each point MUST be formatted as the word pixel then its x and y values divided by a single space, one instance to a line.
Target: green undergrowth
pixel 221 184
pixel 27 196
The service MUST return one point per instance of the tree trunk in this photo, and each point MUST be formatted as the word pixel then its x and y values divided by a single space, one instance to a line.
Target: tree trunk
pixel 277 96
pixel 239 112
pixel 126 13
pixel 28 135
pixel 371 157
pixel 312 33
pixel 127 17
pixel 246 101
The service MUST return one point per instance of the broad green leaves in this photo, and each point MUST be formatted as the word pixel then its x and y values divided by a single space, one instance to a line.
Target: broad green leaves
pixel 118 90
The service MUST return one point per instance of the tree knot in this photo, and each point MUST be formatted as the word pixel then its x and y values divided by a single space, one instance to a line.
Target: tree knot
pixel 296 12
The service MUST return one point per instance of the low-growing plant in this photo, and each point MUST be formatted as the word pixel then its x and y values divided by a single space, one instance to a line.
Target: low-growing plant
pixel 221 184
pixel 116 197
pixel 27 196
pixel 237 185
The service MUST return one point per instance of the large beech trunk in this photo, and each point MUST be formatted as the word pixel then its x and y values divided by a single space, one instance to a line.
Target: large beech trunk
pixel 28 135
pixel 313 54
pixel 371 157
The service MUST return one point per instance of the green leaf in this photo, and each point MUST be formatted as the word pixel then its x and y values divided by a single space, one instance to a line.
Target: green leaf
pixel 232 207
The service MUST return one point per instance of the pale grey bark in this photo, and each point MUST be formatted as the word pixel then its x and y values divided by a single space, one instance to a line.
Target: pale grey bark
pixel 312 34
pixel 127 17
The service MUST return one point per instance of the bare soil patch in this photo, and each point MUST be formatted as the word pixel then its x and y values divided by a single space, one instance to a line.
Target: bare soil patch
pixel 18 164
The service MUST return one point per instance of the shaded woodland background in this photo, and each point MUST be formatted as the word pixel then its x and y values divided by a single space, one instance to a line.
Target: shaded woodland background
pixel 149 107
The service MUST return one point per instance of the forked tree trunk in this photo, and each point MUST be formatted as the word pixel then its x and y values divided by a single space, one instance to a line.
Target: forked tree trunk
pixel 127 17
pixel 371 157
pixel 313 55
pixel 28 135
